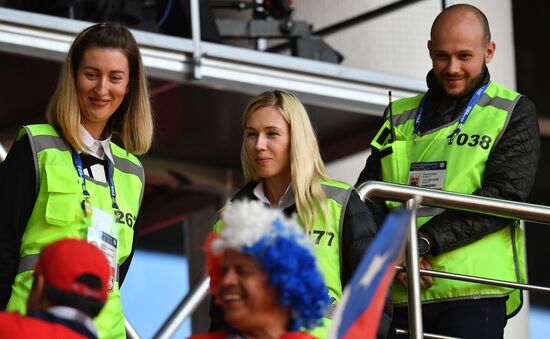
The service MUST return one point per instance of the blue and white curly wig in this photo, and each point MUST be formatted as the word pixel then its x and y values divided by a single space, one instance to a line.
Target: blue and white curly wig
pixel 284 252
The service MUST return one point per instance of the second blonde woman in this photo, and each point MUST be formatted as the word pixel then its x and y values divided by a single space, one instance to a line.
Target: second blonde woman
pixel 281 159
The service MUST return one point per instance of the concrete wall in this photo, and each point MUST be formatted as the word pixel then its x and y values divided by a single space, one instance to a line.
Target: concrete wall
pixel 397 42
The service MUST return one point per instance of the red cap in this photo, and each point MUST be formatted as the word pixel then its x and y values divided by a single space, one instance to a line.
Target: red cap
pixel 62 262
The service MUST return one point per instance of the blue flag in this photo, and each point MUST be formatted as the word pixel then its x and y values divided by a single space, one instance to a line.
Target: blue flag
pixel 360 309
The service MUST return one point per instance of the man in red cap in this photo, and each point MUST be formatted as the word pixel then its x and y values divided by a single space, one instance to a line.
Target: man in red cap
pixel 69 289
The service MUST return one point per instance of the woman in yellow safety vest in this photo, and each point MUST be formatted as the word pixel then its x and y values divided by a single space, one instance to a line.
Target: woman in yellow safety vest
pixel 280 158
pixel 68 179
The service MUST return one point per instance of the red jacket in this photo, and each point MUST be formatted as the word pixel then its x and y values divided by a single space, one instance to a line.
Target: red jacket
pixel 16 326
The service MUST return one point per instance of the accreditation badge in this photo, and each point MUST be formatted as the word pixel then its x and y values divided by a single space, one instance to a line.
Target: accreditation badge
pixel 103 233
pixel 428 174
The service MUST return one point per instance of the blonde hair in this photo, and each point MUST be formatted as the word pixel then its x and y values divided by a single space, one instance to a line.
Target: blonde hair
pixel 306 166
pixel 133 119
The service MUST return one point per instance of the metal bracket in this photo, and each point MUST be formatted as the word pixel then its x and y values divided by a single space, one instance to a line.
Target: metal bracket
pixel 197 42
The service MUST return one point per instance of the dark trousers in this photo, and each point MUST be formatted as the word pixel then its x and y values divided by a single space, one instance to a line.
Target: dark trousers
pixel 479 318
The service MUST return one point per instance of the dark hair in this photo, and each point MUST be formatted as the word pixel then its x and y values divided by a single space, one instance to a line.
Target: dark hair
pixel 90 306
pixel 470 9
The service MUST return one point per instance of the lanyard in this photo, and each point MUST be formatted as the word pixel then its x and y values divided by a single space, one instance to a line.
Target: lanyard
pixel 86 202
pixel 473 101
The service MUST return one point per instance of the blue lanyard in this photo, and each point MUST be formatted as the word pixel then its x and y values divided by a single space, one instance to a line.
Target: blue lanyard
pixel 473 101
pixel 80 170
pixel 112 183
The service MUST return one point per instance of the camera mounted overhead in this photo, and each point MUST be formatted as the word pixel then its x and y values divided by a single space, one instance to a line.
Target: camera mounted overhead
pixel 272 20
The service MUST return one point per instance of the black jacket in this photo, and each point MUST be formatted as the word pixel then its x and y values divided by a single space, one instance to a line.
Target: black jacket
pixel 509 172
pixel 358 231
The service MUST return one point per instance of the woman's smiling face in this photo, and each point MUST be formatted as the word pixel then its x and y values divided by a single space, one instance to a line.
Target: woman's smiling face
pixel 102 81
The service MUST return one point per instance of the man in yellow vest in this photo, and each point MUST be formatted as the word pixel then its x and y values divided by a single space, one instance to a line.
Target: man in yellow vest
pixel 470 135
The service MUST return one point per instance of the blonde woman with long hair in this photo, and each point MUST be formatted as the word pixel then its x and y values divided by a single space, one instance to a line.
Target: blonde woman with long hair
pixel 281 159
pixel 68 179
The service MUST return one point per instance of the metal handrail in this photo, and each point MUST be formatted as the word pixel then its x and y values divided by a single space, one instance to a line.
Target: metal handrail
pixel 183 310
pixel 463 202
pixel 399 331
pixel 413 285
pixel 429 197
pixel 487 281
pixel 131 332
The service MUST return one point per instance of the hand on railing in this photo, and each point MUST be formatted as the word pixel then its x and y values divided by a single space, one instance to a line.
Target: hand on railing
pixel 425 281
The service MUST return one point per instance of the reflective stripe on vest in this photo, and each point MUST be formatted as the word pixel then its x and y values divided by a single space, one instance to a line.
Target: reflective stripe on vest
pixel 340 194
pixel 466 159
pixel 43 142
pixel 27 263
pixel 485 100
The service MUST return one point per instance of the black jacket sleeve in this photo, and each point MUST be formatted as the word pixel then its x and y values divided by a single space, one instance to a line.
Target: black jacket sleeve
pixel 17 197
pixel 509 174
pixel 359 230
pixel 373 171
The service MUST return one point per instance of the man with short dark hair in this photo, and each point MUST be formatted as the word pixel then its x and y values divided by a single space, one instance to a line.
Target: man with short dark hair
pixel 469 135
pixel 69 289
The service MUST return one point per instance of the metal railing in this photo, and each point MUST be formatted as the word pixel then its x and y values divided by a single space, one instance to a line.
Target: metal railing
pixel 3 153
pixel 131 332
pixel 413 196
pixel 184 310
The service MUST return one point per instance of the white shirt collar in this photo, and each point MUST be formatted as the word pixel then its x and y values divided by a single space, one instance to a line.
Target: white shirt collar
pixel 97 148
pixel 286 200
